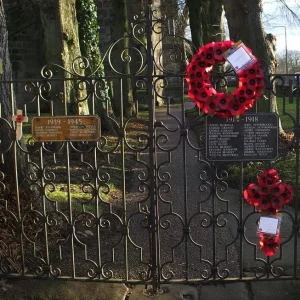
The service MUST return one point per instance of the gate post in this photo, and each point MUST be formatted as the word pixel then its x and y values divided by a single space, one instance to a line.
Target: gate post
pixel 152 167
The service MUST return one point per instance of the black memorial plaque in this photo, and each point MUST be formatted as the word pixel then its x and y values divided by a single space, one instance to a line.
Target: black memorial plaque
pixel 249 137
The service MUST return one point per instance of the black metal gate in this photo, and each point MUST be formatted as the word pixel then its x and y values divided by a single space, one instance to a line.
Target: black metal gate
pixel 141 205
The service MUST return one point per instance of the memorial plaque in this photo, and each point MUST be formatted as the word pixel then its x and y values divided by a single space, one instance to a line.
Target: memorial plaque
pixel 250 137
pixel 66 128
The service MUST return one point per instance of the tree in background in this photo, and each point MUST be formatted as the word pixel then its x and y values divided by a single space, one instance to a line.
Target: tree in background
pixel 61 47
pixel 293 61
pixel 120 58
pixel 6 136
pixel 245 23
pixel 88 29
pixel 206 21
pixel 7 109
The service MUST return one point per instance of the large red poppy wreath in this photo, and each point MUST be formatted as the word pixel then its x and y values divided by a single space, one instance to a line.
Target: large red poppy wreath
pixel 200 89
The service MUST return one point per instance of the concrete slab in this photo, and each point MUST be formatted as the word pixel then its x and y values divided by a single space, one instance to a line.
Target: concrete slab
pixel 61 290
pixel 233 291
pixel 279 290
pixel 168 292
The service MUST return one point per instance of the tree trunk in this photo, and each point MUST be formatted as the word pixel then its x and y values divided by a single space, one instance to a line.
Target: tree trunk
pixel 245 23
pixel 61 45
pixel 206 21
pixel 216 21
pixel 195 15
pixel 89 46
pixel 120 55
pixel 7 109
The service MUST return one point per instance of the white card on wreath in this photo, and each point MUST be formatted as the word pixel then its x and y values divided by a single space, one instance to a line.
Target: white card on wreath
pixel 268 225
pixel 239 57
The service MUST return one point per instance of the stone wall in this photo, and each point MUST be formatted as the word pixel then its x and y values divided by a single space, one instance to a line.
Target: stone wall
pixel 26 37
pixel 25 41
pixel 104 17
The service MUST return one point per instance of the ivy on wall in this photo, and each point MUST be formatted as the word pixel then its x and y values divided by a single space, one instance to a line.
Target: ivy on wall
pixel 88 28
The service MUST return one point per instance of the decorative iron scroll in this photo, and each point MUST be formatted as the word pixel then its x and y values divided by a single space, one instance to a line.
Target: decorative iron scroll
pixel 141 204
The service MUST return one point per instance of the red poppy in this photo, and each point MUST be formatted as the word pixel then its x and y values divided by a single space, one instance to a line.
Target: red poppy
pixel 269 245
pixel 264 190
pixel 223 100
pixel 255 200
pixel 277 202
pixel 271 211
pixel 268 178
pixel 252 70
pixel 201 53
pixel 265 204
pixel 249 80
pixel 204 93
pixel 278 189
pixel 210 106
pixel 19 119
pixel 226 45
pixel 251 190
pixel 288 193
pixel 246 92
pixel 218 51
pixel 236 108
pixel 210 59
pixel 192 93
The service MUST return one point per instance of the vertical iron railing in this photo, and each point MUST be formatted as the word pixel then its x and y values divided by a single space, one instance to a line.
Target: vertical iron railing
pixel 152 162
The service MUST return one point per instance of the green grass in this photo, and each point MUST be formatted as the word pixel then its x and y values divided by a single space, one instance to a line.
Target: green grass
pixel 284 165
pixel 78 197
pixel 284 108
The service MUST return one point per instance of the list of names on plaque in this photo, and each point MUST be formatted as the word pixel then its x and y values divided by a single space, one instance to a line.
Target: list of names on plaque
pixel 250 137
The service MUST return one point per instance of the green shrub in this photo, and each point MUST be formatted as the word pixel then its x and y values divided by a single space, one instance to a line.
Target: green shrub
pixel 285 166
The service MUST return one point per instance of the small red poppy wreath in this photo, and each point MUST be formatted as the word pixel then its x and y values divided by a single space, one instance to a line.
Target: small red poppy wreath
pixel 200 90
pixel 269 195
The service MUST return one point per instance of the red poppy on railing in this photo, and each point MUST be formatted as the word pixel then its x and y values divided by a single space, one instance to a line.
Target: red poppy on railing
pixel 19 118
pixel 225 105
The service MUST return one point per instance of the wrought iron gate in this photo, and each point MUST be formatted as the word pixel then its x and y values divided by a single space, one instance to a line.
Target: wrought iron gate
pixel 141 205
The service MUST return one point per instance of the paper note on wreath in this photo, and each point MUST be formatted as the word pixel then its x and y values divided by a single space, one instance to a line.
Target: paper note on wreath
pixel 268 225
pixel 240 57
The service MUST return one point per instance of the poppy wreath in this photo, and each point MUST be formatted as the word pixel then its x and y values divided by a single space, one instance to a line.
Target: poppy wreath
pixel 200 90
pixel 269 195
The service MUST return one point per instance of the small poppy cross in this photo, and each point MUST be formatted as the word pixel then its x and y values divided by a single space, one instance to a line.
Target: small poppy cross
pixel 19 119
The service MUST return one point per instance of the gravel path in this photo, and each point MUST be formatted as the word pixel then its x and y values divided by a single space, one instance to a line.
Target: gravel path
pixel 189 248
